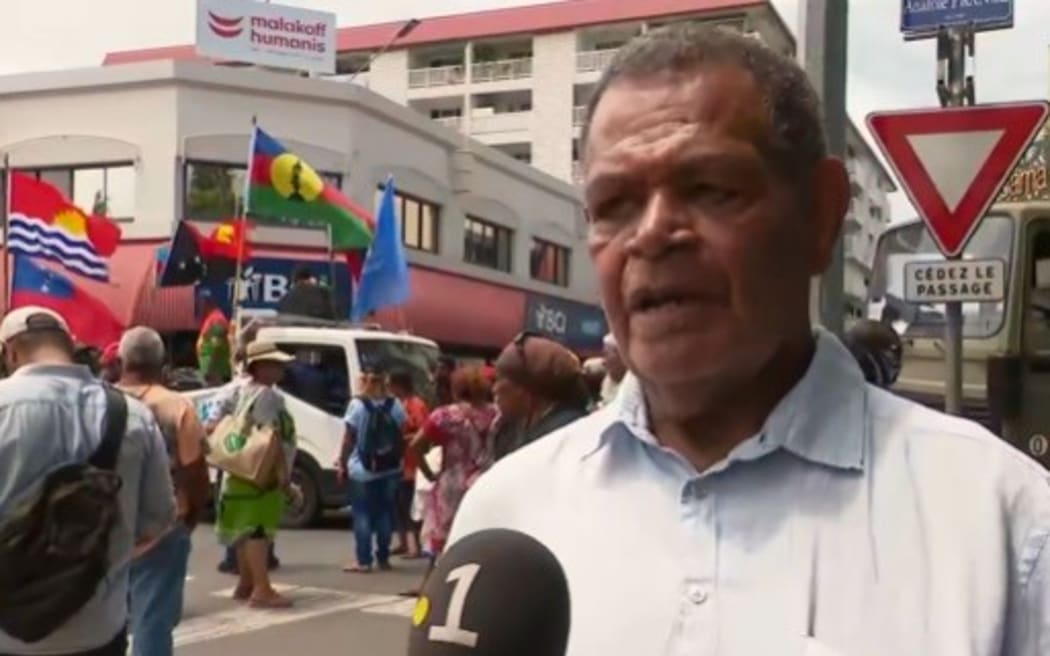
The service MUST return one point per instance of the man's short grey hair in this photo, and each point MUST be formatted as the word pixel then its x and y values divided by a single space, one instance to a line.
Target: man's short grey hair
pixel 796 141
pixel 141 348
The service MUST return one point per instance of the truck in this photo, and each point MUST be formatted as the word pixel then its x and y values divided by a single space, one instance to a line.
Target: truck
pixel 340 350
pixel 1006 344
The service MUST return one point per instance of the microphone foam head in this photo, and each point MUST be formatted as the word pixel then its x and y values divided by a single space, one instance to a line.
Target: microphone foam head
pixel 494 592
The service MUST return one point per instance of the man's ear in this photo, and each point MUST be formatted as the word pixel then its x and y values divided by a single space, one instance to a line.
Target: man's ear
pixel 829 202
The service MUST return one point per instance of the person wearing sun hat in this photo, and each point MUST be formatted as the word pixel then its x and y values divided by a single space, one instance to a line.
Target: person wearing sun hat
pixel 248 516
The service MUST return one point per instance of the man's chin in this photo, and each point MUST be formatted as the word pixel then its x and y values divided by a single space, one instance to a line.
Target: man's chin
pixel 679 360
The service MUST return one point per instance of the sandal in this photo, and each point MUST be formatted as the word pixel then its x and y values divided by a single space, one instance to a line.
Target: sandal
pixel 273 601
pixel 242 594
pixel 354 568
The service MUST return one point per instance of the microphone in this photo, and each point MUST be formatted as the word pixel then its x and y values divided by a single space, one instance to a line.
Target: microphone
pixel 494 593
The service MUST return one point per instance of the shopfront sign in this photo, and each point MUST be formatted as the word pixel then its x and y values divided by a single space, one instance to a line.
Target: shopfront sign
pixel 265 281
pixel 576 325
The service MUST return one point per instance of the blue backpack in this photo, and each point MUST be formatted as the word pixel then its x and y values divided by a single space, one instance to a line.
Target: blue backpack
pixel 382 446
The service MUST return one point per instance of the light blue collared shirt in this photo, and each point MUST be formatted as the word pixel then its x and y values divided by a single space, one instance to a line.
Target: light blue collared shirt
pixel 855 524
pixel 51 415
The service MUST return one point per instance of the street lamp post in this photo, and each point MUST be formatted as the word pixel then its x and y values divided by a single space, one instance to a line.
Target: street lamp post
pixel 404 31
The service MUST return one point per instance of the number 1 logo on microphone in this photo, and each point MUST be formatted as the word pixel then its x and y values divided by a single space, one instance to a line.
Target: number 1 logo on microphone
pixel 461 578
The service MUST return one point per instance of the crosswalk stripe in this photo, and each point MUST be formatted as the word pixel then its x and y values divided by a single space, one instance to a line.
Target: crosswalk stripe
pixel 309 603
pixel 399 606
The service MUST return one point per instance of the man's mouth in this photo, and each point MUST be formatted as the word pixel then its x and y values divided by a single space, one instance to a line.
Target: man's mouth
pixel 649 300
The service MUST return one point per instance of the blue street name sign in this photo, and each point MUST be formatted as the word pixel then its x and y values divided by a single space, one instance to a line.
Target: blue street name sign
pixel 922 18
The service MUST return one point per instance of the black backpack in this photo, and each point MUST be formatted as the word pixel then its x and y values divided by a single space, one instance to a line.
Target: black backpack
pixel 382 445
pixel 54 546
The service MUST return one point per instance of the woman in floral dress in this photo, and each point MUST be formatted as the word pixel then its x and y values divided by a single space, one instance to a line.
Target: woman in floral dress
pixel 461 429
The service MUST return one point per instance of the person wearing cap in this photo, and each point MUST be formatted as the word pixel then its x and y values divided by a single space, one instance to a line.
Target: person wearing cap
pixel 51 414
pixel 539 388
pixel 158 572
pixel 248 517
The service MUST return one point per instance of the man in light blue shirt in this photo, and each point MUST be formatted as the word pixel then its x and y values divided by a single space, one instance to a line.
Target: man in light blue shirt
pixel 747 492
pixel 51 413
pixel 371 458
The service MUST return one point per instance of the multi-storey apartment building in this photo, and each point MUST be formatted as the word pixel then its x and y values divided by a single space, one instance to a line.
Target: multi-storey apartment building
pixel 518 79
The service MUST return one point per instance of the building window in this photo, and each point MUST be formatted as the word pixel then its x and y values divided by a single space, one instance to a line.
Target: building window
pixel 214 191
pixel 487 244
pixel 549 262
pixel 105 189
pixel 419 220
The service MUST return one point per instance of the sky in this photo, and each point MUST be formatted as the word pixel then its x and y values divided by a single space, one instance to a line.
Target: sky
pixel 884 72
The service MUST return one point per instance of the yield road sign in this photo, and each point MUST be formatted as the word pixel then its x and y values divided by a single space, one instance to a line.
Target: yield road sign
pixel 953 162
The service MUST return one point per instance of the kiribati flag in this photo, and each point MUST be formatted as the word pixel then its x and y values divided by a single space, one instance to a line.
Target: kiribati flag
pixel 43 223
pixel 286 190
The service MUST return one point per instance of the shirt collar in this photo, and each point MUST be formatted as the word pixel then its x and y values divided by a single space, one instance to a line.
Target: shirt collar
pixel 821 419
pixel 78 371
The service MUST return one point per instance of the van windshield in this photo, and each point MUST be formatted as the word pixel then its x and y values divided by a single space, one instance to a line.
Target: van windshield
pixel 912 243
pixel 391 355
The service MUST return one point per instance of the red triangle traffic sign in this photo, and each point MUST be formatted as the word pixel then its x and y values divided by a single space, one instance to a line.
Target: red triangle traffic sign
pixel 953 162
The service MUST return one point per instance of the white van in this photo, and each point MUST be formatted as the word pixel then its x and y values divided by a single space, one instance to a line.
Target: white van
pixel 339 350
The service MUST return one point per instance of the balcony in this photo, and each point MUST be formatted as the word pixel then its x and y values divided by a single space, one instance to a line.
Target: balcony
pixel 439 76
pixel 594 61
pixel 453 122
pixel 579 115
pixel 504 69
pixel 499 122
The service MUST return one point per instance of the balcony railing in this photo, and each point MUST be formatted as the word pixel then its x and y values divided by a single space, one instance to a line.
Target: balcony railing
pixel 590 61
pixel 453 122
pixel 438 76
pixel 503 122
pixel 504 69
pixel 579 115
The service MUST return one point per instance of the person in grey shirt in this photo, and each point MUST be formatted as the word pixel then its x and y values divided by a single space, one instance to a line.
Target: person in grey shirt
pixel 51 413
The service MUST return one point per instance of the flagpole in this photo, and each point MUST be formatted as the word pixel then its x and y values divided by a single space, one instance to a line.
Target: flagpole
pixel 235 302
pixel 5 212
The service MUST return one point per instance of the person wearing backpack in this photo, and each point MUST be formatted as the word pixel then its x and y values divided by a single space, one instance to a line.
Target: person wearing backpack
pixel 371 458
pixel 92 462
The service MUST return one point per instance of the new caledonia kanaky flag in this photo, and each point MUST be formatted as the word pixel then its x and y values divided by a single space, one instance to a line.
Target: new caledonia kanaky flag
pixel 284 189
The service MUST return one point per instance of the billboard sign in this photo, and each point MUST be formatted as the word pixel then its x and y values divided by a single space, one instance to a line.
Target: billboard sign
pixel 266 34
pixel 922 18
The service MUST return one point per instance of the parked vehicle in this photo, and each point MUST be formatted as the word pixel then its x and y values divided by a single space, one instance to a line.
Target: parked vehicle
pixel 338 351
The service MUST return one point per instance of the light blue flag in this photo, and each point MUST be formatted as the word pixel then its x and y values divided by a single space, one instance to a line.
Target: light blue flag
pixel 384 277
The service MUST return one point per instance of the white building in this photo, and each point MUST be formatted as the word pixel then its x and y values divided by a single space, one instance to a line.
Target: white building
pixel 491 241
pixel 518 79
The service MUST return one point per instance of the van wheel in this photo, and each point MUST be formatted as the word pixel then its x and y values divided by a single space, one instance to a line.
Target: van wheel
pixel 306 512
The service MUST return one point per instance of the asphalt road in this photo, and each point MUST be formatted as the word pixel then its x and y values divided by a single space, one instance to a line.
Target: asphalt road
pixel 335 612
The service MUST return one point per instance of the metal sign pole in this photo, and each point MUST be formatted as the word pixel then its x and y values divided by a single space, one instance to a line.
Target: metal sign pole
pixel 954 89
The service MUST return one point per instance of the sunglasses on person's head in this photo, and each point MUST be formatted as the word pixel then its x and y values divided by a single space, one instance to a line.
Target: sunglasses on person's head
pixel 519 343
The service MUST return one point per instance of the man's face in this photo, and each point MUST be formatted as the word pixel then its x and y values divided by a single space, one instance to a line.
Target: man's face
pixel 703 251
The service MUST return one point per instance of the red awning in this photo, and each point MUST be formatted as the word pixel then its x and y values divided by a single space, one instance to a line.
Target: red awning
pixel 461 311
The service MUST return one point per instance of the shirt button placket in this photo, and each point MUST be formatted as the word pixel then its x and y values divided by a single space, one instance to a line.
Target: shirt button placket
pixel 696 634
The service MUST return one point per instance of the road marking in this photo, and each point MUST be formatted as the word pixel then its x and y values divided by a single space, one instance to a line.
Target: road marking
pixel 399 606
pixel 309 603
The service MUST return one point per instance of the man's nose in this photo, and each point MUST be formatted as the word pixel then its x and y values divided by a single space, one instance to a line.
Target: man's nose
pixel 663 225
